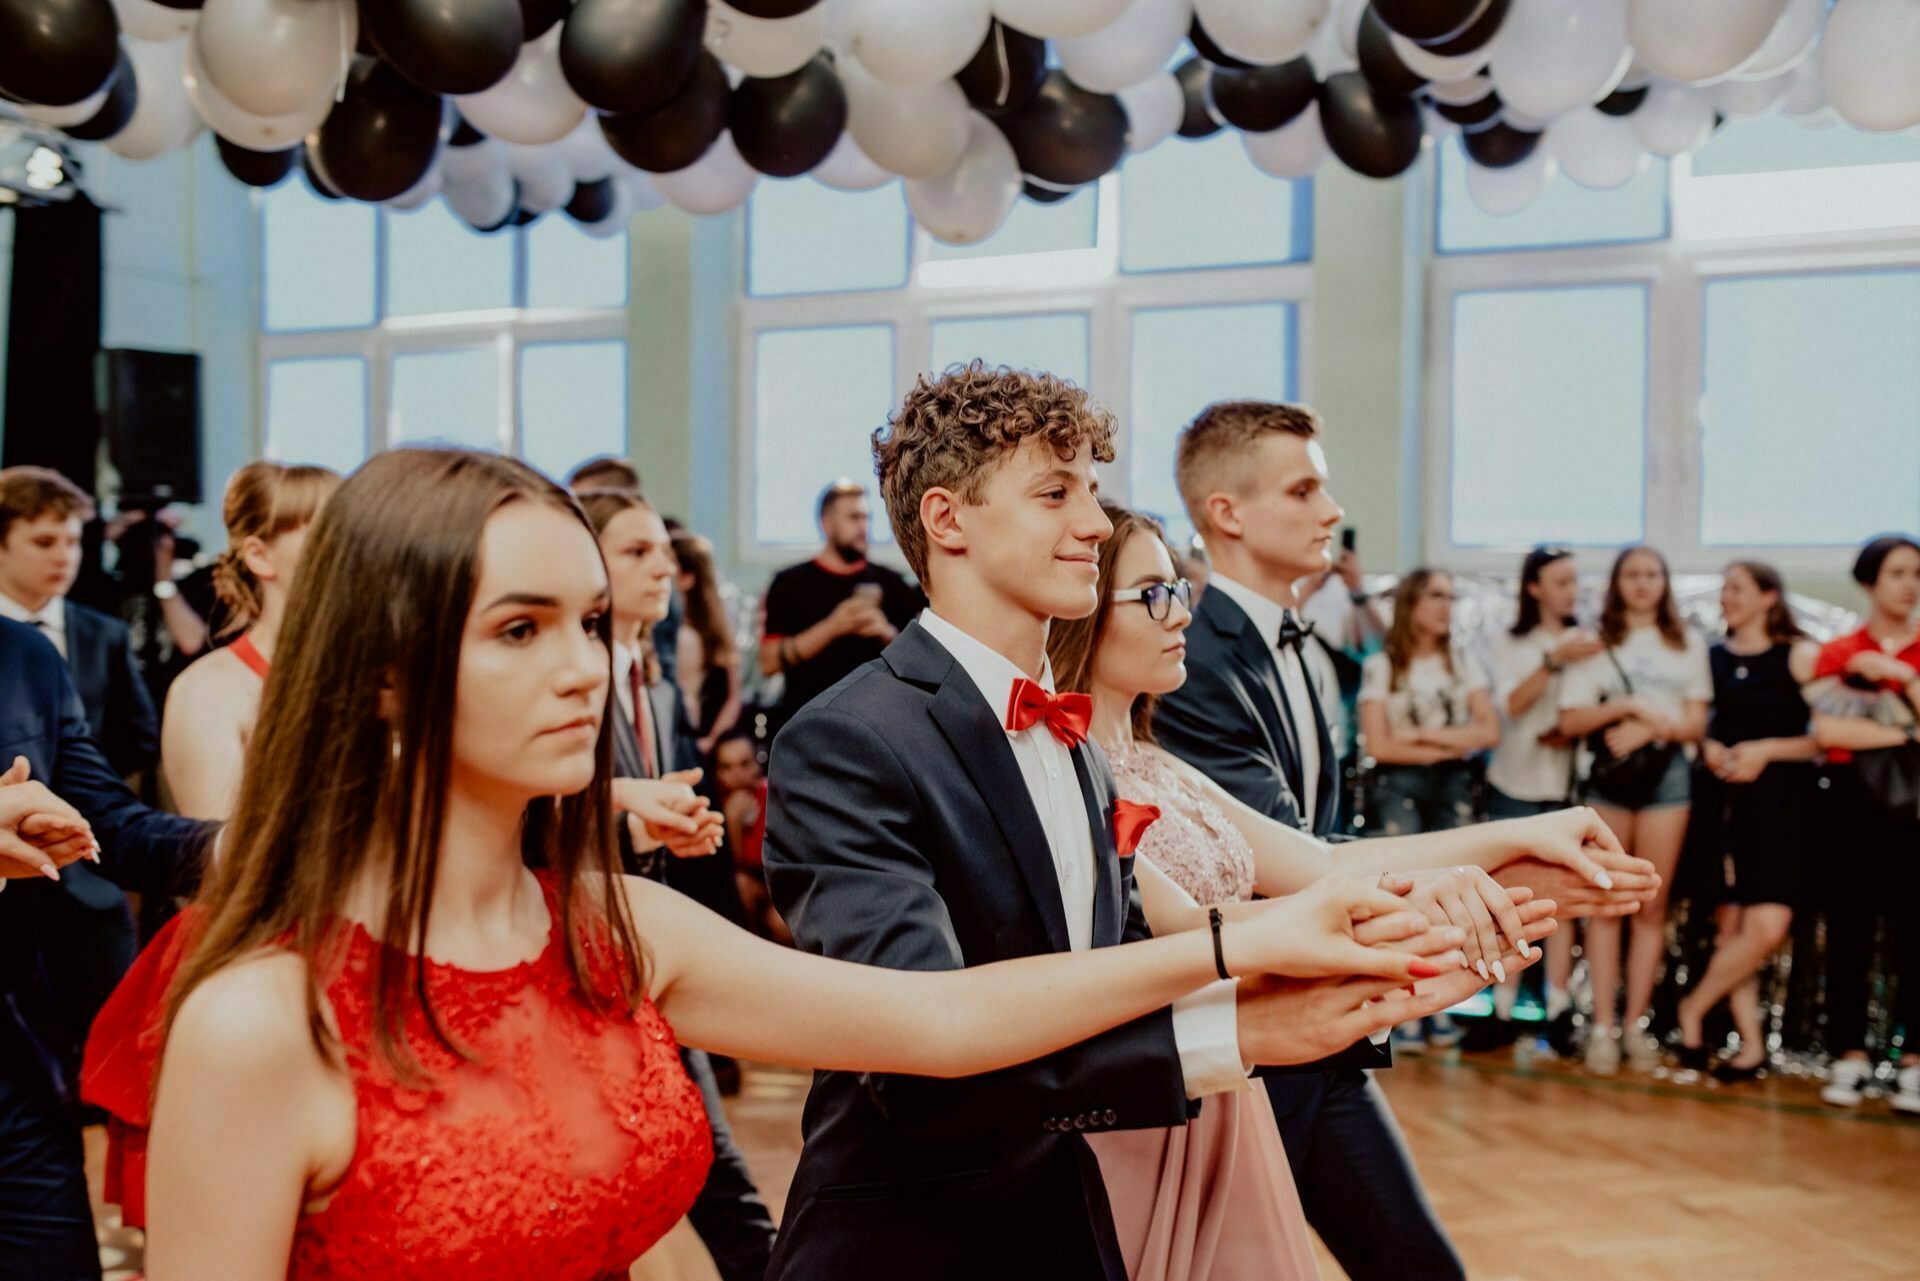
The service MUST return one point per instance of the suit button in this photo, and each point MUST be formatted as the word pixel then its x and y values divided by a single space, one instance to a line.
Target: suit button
pixel 1110 1117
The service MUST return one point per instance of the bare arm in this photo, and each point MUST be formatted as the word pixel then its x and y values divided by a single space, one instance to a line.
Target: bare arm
pixel 1688 727
pixel 1578 722
pixel 1854 733
pixel 200 745
pixel 1385 744
pixel 1481 733
pixel 1528 692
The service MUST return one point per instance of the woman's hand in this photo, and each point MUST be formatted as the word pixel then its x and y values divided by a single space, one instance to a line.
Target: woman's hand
pixel 1743 762
pixel 1714 753
pixel 39 832
pixel 1577 646
pixel 1472 901
pixel 1339 926
pixel 1628 736
pixel 667 811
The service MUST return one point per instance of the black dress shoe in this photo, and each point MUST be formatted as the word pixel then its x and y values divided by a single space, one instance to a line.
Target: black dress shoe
pixel 1694 1058
pixel 1487 1035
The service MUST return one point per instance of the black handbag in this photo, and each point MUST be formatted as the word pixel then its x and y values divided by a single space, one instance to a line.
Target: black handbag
pixel 1626 781
pixel 1892 774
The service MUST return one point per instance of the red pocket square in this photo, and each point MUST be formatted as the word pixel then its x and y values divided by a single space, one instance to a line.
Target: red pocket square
pixel 1130 824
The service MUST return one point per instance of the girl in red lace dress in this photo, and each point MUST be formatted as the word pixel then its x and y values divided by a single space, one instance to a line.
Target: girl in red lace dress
pixel 425 1028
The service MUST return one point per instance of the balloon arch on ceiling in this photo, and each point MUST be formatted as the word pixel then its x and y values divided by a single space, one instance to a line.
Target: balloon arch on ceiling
pixel 514 108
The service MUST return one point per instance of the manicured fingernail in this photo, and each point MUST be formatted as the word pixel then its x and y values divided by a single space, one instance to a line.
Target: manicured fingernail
pixel 1481 966
pixel 1526 950
pixel 1604 881
pixel 1499 972
pixel 49 871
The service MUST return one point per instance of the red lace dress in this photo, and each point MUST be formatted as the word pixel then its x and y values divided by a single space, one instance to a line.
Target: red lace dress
pixel 568 1145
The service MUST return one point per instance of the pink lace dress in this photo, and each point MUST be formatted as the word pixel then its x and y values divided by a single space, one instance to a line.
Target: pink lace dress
pixel 1212 1200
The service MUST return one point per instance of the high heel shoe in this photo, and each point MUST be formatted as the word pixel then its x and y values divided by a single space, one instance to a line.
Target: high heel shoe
pixel 1733 1074
pixel 1694 1058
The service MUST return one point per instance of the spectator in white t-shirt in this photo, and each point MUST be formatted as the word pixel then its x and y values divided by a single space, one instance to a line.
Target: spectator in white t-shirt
pixel 1647 693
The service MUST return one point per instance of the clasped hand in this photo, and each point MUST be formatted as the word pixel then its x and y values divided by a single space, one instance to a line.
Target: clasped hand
pixel 39 832
pixel 666 811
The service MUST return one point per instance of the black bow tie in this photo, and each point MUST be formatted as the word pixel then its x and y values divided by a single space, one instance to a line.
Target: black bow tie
pixel 1292 633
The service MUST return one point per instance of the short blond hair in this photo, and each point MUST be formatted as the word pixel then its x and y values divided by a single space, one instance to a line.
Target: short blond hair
pixel 1213 451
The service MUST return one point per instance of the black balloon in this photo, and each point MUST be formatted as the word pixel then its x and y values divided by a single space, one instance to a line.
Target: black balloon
pixel 679 131
pixel 316 176
pixel 57 52
pixel 593 201
pixel 1261 99
pixel 1199 119
pixel 1500 145
pixel 1375 134
pixel 181 4
pixel 1477 35
pixel 1068 135
pixel 382 135
pixel 525 217
pixel 785 125
pixel 116 111
pixel 1427 20
pixel 1378 61
pixel 447 48
pixel 1204 46
pixel 537 17
pixel 628 56
pixel 1006 72
pixel 1623 102
pixel 1478 114
pixel 1042 193
pixel 772 8
pixel 257 168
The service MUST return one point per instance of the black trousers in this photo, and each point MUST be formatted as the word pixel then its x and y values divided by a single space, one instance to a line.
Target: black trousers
pixel 729 1215
pixel 1356 1180
pixel 46 1221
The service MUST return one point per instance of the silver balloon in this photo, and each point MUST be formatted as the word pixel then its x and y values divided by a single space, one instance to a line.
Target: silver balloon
pixel 533 104
pixel 1697 40
pixel 1868 59
pixel 1057 19
pixel 847 168
pixel 765 47
pixel 545 180
pixel 148 20
pixel 1263 31
pixel 716 182
pixel 1595 149
pixel 163 119
pixel 911 43
pixel 1154 110
pixel 256 133
pixel 1674 119
pixel 968 203
pixel 1134 46
pixel 1551 56
pixel 1510 189
pixel 916 133
pixel 483 202
pixel 275 57
pixel 1294 150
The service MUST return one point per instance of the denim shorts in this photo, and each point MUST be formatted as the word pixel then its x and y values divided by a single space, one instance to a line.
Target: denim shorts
pixel 1675 788
pixel 1500 805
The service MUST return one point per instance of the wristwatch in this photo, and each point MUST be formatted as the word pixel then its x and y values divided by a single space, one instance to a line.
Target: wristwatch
pixel 1551 663
pixel 165 590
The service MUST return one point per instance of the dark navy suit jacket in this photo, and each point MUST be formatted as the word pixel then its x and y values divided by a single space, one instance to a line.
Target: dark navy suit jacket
pixel 119 708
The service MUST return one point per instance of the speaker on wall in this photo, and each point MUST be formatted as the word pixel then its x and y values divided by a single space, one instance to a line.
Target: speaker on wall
pixel 150 409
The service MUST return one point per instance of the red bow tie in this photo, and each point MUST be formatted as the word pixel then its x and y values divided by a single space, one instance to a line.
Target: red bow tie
pixel 1068 716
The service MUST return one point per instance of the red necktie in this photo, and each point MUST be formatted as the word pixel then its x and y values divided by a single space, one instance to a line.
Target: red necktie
pixel 1068 716
pixel 642 717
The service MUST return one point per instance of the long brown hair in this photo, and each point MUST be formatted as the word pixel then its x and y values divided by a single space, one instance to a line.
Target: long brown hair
pixel 706 612
pixel 1072 642
pixel 333 786
pixel 1782 628
pixel 1400 637
pixel 601 506
pixel 1532 569
pixel 1613 615
pixel 264 500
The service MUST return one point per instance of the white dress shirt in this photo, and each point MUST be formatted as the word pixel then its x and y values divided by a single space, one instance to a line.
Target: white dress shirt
pixel 51 621
pixel 1267 615
pixel 1205 1025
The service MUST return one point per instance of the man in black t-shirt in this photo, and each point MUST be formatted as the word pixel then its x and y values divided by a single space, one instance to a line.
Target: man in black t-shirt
pixel 823 618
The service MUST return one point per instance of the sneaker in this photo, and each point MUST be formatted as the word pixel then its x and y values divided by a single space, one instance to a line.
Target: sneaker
pixel 1484 1036
pixel 1906 1096
pixel 1603 1052
pixel 1563 1034
pixel 1410 1037
pixel 1845 1080
pixel 1643 1051
pixel 1445 1033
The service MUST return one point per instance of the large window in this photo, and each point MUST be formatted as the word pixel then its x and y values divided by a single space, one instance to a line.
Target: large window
pixel 382 327
pixel 1155 305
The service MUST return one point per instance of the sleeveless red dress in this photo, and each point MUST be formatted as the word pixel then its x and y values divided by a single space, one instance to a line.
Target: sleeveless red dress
pixel 569 1144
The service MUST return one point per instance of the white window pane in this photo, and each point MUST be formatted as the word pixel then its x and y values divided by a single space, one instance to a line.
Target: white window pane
pixel 803 238
pixel 317 411
pixel 568 268
pixel 446 398
pixel 1184 359
pixel 1564 213
pixel 1056 344
pixel 1781 144
pixel 573 403
pixel 1201 203
pixel 1549 383
pixel 319 260
pixel 436 264
pixel 1809 434
pixel 1034 228
pixel 818 395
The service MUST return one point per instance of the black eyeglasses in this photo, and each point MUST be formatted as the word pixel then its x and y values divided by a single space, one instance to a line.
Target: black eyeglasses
pixel 1158 597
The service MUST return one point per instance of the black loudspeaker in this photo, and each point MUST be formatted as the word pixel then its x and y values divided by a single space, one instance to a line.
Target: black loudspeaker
pixel 150 409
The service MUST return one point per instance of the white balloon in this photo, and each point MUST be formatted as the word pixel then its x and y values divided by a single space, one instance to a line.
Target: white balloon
pixel 74 113
pixel 468 165
pixel 765 46
pixel 484 202
pixel 1294 150
pixel 1806 93
pixel 256 133
pixel 970 201
pixel 1551 56
pixel 1138 43
pixel 275 57
pixel 847 168
pixel 1459 93
pixel 421 192
pixel 1868 59
pixel 533 104
pixel 640 189
pixel 715 183
pixel 1057 19
pixel 1509 190
pixel 916 133
pixel 147 20
pixel 587 153
pixel 911 43
pixel 1440 70
pixel 1335 48
pixel 1262 31
pixel 1697 40
pixel 1791 40
pixel 1673 120
pixel 163 119
pixel 545 180
pixel 1595 149
pixel 1749 98
pixel 1154 110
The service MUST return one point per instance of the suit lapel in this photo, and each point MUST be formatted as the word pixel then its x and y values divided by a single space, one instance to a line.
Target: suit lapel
pixel 1107 916
pixel 626 750
pixel 1258 661
pixel 1324 807
pixel 660 699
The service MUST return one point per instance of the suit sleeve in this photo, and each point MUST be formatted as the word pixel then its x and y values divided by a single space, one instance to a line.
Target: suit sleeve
pixel 1209 724
pixel 132 724
pixel 845 867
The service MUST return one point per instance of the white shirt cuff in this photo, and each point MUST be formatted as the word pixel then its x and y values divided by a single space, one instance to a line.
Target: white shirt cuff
pixel 1206 1032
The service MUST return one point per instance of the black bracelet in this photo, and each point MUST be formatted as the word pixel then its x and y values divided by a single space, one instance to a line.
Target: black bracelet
pixel 1219 953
